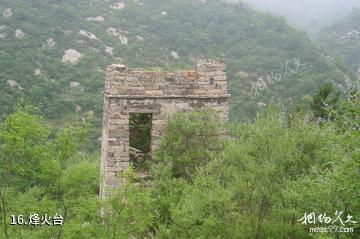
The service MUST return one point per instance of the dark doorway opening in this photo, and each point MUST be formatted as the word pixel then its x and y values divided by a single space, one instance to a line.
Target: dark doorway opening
pixel 140 140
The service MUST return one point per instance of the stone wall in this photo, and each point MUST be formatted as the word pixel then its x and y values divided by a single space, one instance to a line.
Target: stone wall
pixel 159 93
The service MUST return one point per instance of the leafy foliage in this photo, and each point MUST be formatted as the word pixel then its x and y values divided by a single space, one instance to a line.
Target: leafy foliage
pixel 140 131
pixel 321 103
pixel 258 183
pixel 39 174
pixel 259 186
pixel 189 142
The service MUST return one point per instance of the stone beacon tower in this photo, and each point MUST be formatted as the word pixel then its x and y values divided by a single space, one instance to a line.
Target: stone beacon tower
pixel 137 91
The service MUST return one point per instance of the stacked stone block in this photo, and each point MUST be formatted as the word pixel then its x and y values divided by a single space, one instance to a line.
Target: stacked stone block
pixel 160 94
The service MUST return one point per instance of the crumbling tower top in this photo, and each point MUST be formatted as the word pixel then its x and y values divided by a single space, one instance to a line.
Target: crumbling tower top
pixel 207 80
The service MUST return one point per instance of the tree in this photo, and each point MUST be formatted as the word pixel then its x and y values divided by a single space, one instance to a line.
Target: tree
pixel 189 141
pixel 40 173
pixel 322 103
pixel 23 140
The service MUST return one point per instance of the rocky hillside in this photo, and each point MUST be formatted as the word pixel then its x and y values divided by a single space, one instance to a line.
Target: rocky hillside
pixel 54 52
pixel 343 39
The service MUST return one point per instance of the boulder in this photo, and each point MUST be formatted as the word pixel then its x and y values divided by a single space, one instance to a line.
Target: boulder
pixel 175 55
pixel 118 6
pixel 8 12
pixel 13 84
pixel 71 56
pixel 96 19
pixel 19 34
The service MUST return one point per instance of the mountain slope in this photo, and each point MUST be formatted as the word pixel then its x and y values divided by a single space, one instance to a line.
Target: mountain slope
pixel 343 39
pixel 54 52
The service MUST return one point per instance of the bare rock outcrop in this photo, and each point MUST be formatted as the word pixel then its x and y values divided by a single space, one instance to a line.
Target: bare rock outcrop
pixel 109 50
pixel 118 6
pixel 200 1
pixel 175 55
pixel 8 12
pixel 50 42
pixel 349 35
pixel 96 19
pixel 78 109
pixel 74 84
pixel 19 34
pixel 2 31
pixel 140 38
pixel 122 35
pixel 242 73
pixel 89 35
pixel 71 56
pixel 13 84
pixel 37 72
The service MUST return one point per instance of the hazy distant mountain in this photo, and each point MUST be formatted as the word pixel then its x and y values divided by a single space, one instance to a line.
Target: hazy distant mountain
pixel 343 39
pixel 308 14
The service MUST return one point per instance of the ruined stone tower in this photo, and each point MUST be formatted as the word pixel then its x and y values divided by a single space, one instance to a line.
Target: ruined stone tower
pixel 129 91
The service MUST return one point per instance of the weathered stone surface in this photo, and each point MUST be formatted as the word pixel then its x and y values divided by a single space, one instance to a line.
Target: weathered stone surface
pixel 37 72
pixel 71 56
pixel 74 84
pixel 50 42
pixel 13 84
pixel 89 35
pixel 175 55
pixel 122 35
pixel 159 93
pixel 118 6
pixel 2 31
pixel 96 19
pixel 109 50
pixel 8 12
pixel 19 34
pixel 140 38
